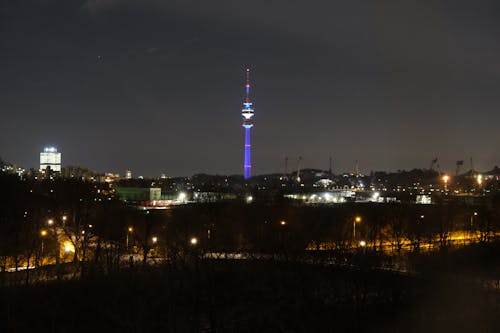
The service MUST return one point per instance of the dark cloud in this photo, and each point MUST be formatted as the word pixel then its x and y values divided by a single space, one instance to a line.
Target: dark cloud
pixel 156 86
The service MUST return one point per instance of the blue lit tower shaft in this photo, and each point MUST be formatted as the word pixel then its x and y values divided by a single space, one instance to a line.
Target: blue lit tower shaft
pixel 247 167
pixel 247 113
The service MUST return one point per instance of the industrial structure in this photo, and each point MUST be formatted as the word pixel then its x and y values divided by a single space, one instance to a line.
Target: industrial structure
pixel 247 113
pixel 50 158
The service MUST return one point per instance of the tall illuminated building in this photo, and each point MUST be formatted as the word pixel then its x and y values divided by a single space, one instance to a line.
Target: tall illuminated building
pixel 49 157
pixel 247 113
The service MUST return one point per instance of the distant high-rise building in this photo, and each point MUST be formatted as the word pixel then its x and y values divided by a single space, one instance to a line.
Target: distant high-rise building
pixel 128 174
pixel 247 113
pixel 50 158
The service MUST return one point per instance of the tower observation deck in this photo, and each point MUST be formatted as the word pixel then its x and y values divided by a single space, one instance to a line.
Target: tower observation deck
pixel 247 113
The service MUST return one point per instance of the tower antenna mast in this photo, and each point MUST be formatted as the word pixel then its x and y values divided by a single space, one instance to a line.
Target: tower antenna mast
pixel 247 87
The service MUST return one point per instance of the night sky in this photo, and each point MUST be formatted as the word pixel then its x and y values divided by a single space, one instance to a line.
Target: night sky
pixel 157 86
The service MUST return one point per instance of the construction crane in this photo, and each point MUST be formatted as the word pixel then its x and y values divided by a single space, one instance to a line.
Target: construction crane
pixel 472 171
pixel 285 174
pixel 438 168
pixel 298 168
pixel 459 164
pixel 433 163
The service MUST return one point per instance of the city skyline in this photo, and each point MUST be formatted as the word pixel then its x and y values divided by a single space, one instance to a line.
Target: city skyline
pixel 461 167
pixel 155 88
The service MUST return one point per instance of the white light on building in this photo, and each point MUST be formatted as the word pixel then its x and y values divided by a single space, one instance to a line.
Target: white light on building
pixel 423 199
pixel 50 158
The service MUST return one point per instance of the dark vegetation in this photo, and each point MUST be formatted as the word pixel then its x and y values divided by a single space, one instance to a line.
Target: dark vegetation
pixel 434 284
pixel 251 296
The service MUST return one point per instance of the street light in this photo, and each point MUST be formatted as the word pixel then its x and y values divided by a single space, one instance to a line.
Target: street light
pixel 43 233
pixel 362 243
pixel 446 178
pixel 194 241
pixel 471 224
pixel 129 231
pixel 283 222
pixel 52 224
pixel 154 239
pixel 357 219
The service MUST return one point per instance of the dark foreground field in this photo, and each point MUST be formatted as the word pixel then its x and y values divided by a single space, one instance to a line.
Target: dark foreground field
pixel 251 296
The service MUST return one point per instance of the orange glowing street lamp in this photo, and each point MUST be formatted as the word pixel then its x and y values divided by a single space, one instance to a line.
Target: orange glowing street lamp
pixel 446 178
pixel 129 231
pixel 357 219
pixel 43 233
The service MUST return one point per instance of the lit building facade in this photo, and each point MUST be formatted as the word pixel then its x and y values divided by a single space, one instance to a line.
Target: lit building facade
pixel 50 158
pixel 138 193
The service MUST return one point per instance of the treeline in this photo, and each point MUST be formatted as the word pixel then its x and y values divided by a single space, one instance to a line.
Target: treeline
pixel 237 226
pixel 52 222
pixel 55 221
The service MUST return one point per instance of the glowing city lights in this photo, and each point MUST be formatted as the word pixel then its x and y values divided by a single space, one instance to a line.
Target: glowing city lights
pixel 68 247
pixel 182 197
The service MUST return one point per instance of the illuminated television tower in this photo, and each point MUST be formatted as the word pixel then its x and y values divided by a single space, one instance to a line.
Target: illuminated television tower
pixel 247 113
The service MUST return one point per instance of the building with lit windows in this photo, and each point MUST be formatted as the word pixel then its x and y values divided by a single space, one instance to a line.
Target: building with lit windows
pixel 50 158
